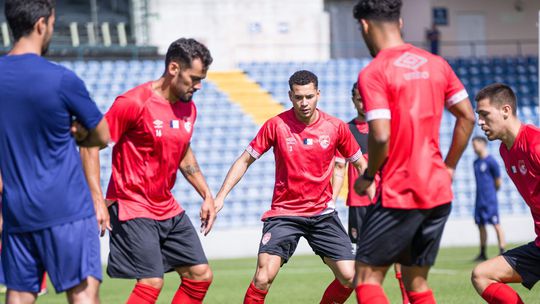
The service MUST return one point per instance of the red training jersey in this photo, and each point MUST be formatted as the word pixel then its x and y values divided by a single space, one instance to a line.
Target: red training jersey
pixel 353 198
pixel 151 136
pixel 304 157
pixel 411 86
pixel 522 163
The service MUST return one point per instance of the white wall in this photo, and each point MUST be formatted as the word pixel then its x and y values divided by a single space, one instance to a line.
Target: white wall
pixel 245 30
pixel 244 242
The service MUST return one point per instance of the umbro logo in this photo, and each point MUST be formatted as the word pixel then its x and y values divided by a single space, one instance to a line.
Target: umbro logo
pixel 410 61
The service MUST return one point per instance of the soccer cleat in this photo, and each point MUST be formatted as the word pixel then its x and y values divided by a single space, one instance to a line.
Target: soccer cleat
pixel 43 292
pixel 480 258
pixel 501 251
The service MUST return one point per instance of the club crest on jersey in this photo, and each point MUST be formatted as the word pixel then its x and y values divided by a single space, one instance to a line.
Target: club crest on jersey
pixel 187 126
pixel 308 141
pixel 266 238
pixel 324 141
pixel 522 167
pixel 483 167
pixel 175 124
pixel 158 125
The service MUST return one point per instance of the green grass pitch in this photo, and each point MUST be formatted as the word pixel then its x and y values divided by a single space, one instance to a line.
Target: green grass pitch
pixel 304 279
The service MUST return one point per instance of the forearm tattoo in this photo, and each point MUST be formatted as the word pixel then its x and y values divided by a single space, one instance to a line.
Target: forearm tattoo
pixel 191 169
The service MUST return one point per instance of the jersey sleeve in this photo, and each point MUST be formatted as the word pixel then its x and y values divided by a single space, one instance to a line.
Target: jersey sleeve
pixel 339 158
pixel 347 145
pixel 494 169
pixel 455 91
pixel 78 102
pixel 373 89
pixel 263 141
pixel 123 115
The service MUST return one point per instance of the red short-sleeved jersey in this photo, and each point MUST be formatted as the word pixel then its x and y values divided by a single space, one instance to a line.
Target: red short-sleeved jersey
pixel 522 163
pixel 354 199
pixel 151 136
pixel 410 87
pixel 304 157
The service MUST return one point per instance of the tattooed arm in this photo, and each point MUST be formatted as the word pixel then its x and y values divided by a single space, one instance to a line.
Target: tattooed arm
pixel 191 171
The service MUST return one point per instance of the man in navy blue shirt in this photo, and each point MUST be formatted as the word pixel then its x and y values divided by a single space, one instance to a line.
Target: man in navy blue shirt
pixel 488 182
pixel 50 222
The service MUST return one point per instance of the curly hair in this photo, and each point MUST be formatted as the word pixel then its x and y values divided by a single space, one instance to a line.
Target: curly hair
pixel 378 10
pixel 185 50
pixel 303 77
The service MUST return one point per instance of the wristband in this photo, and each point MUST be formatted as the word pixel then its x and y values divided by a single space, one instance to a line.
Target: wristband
pixel 367 177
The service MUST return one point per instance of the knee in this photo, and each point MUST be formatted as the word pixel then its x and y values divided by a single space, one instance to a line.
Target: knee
pixel 201 272
pixel 262 279
pixel 479 275
pixel 346 278
pixel 156 283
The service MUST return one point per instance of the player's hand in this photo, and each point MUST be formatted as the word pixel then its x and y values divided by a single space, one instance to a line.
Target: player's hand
pixel 78 131
pixel 208 215
pixel 218 204
pixel 370 191
pixel 102 215
pixel 361 186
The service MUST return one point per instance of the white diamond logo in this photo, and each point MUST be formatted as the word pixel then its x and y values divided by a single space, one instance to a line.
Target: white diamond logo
pixel 410 61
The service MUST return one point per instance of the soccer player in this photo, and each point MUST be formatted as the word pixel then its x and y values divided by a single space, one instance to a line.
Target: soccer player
pixel 358 204
pixel 151 126
pixel 50 223
pixel 488 182
pixel 520 151
pixel 405 90
pixel 305 141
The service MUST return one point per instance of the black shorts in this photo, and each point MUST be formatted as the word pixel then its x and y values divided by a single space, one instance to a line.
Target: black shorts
pixel 147 248
pixel 357 217
pixel 409 237
pixel 525 260
pixel 324 233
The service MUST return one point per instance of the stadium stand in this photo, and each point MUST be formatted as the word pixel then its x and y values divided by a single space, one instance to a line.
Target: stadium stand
pixel 224 129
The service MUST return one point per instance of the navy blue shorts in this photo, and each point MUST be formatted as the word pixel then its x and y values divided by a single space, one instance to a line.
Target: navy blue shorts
pixel 324 233
pixel 147 248
pixel 407 236
pixel 525 260
pixel 69 253
pixel 484 215
pixel 357 217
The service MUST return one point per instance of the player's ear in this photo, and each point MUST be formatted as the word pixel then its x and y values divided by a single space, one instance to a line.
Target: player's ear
pixel 40 26
pixel 173 68
pixel 400 23
pixel 364 25
pixel 291 95
pixel 506 111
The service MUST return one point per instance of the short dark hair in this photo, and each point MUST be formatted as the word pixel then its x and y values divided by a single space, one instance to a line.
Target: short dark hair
pixel 499 94
pixel 185 50
pixel 378 10
pixel 354 87
pixel 22 15
pixel 480 139
pixel 303 77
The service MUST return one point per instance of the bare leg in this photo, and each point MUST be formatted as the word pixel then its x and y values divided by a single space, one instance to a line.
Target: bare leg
pixel 86 292
pixel 495 270
pixel 483 241
pixel 268 266
pixel 500 237
pixel 20 297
